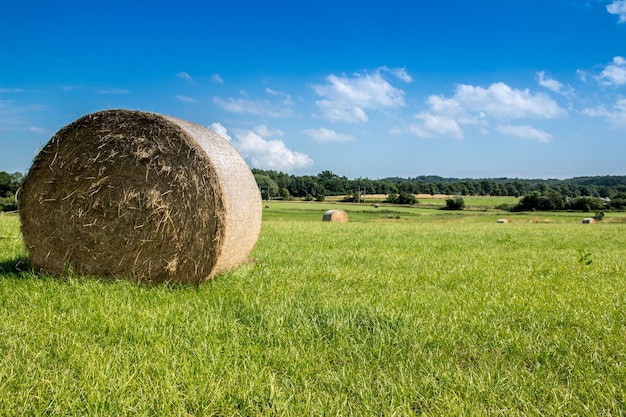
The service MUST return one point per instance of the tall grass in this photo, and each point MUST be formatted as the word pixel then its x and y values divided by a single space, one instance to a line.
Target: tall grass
pixel 363 318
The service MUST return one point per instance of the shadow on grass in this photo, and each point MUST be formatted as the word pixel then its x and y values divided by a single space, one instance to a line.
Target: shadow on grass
pixel 17 265
pixel 21 267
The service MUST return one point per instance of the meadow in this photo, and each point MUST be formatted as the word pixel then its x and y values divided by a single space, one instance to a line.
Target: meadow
pixel 402 311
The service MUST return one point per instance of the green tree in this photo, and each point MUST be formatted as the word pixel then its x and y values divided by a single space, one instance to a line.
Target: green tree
pixel 406 198
pixel 586 204
pixel 618 201
pixel 267 186
pixel 392 198
pixel 285 194
pixel 10 183
pixel 456 203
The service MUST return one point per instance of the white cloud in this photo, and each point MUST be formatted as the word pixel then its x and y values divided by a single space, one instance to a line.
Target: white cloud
pixel 323 135
pixel 269 154
pixel 346 99
pixel 335 112
pixel 217 79
pixel 525 132
pixel 403 75
pixel 220 130
pixel 503 102
pixel 287 98
pixel 255 107
pixel 616 116
pixel 439 124
pixel 618 7
pixel 614 74
pixel 473 105
pixel 263 153
pixel 264 131
pixel 186 99
pixel 549 83
pixel 400 73
pixel 556 86
pixel 11 90
pixel 185 76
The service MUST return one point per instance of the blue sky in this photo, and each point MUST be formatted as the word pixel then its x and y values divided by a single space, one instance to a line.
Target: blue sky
pixel 458 88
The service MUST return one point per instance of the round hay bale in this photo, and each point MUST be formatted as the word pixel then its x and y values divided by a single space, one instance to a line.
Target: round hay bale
pixel 589 220
pixel 338 216
pixel 142 196
pixel 503 220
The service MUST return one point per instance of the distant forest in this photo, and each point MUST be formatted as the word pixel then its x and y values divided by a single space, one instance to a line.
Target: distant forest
pixel 544 192
pixel 329 184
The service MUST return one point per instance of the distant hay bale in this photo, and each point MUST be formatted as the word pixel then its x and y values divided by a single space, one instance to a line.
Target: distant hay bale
pixel 503 220
pixel 589 220
pixel 140 196
pixel 337 216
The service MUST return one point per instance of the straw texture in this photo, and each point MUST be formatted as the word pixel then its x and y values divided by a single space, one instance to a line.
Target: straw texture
pixel 338 216
pixel 142 196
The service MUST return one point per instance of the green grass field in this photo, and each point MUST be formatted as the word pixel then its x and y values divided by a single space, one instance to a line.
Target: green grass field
pixel 402 311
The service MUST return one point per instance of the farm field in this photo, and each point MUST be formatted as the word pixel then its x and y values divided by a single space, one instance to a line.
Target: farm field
pixel 402 311
pixel 427 200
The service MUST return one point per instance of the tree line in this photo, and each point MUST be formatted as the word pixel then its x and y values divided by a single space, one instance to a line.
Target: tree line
pixel 9 184
pixel 273 183
pixel 538 194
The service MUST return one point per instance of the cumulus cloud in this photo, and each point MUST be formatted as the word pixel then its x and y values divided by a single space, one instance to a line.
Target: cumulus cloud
pixel 185 76
pixel 437 124
pixel 264 153
pixel 474 105
pixel 186 99
pixel 616 116
pixel 270 154
pixel 256 107
pixel 346 98
pixel 220 130
pixel 614 74
pixel 264 131
pixel 504 102
pixel 323 135
pixel 618 7
pixel 525 132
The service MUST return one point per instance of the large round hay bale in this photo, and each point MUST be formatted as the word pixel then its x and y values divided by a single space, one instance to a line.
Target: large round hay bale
pixel 142 196
pixel 338 216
